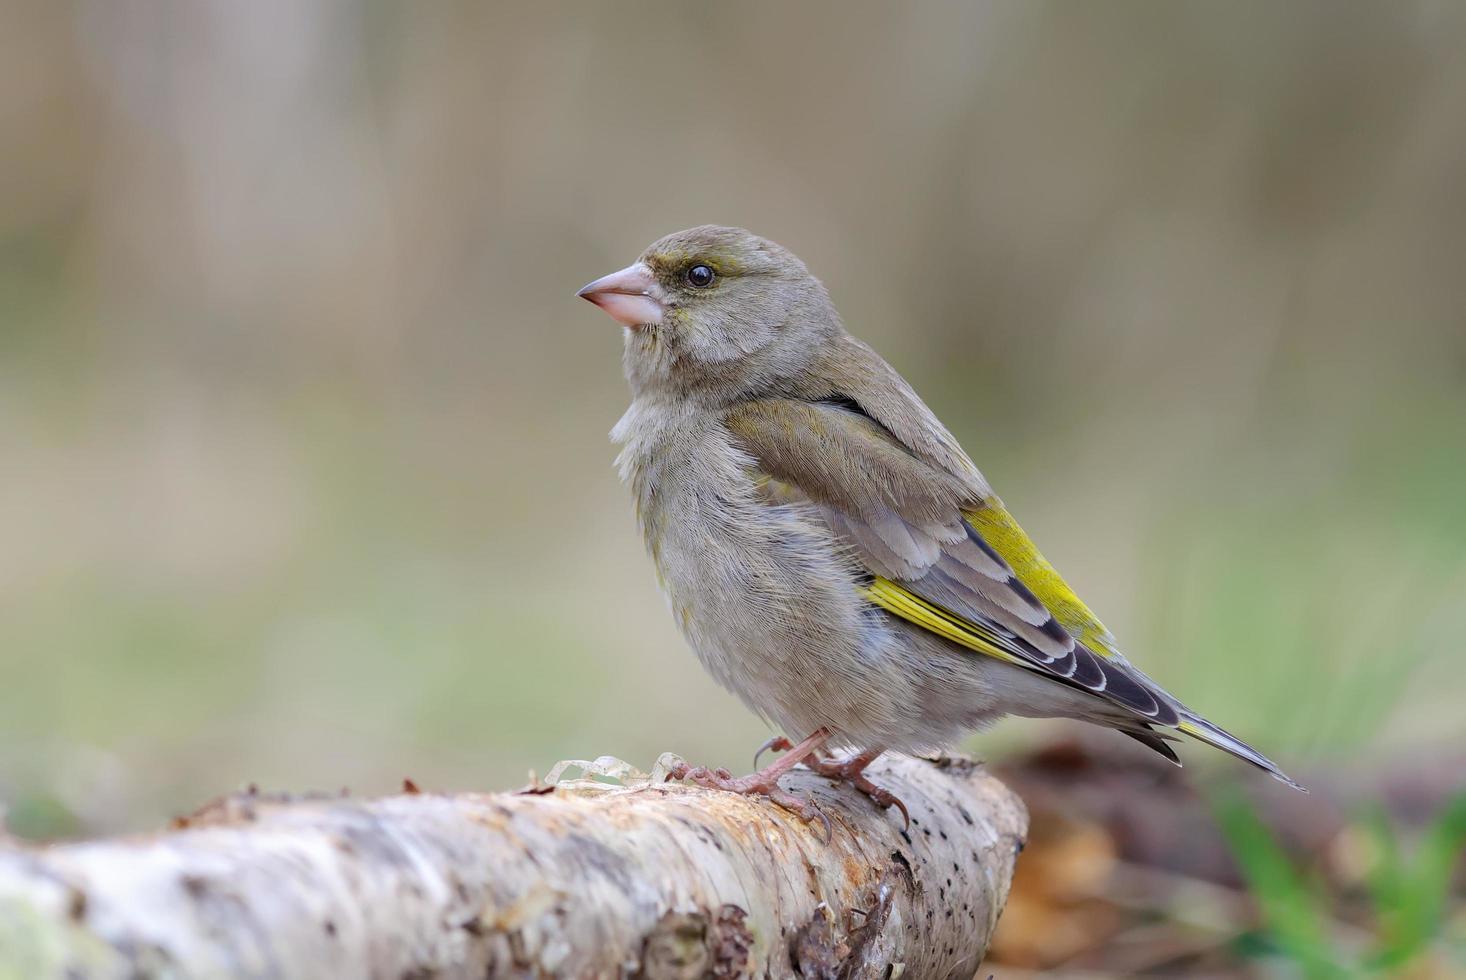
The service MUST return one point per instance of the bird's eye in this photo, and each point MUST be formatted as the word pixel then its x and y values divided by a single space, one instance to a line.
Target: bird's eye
pixel 700 276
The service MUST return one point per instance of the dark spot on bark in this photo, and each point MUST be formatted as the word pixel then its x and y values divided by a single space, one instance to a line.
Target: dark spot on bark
pixel 860 961
pixel 1019 846
pixel 730 942
pixel 942 834
pixel 906 837
pixel 330 927
pixel 678 947
pixel 815 953
pixel 76 905
pixel 195 885
pixel 902 860
pixel 966 816
pixel 518 953
pixel 592 855
pixel 361 833
pixel 958 764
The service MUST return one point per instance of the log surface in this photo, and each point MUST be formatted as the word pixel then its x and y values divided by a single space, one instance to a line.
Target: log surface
pixel 590 879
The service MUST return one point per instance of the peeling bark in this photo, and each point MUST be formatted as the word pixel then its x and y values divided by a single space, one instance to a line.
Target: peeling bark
pixel 648 880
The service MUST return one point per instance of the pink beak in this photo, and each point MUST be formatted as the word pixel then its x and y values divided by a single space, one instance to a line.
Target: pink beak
pixel 632 296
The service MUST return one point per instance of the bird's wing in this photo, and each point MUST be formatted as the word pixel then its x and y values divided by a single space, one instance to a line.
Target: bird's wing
pixel 939 554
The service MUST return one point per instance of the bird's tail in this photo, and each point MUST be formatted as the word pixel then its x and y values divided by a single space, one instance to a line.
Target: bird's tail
pixel 1204 731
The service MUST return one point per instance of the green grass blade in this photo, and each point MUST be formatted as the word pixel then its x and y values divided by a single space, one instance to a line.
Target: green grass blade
pixel 1292 912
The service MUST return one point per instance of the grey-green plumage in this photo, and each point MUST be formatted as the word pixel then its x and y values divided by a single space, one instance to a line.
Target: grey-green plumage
pixel 780 467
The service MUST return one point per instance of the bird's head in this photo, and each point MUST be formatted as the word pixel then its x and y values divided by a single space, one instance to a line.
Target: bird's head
pixel 715 311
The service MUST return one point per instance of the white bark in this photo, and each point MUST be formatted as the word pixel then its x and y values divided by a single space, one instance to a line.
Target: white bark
pixel 591 880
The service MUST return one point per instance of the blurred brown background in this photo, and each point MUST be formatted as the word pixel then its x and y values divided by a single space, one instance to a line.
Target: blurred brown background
pixel 304 476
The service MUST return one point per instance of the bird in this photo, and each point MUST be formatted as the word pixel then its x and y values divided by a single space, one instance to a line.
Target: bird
pixel 828 550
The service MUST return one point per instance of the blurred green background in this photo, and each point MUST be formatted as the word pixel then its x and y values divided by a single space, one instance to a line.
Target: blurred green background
pixel 304 475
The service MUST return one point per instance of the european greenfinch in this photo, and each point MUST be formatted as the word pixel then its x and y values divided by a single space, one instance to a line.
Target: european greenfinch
pixel 827 548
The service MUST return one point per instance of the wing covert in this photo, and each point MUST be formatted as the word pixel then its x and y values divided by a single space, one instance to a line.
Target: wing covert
pixel 938 556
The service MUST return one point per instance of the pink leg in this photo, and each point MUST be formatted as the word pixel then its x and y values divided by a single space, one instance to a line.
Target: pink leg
pixel 764 782
pixel 852 771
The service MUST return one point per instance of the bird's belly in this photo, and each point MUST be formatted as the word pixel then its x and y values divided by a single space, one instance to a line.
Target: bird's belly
pixel 767 596
pixel 770 608
pixel 769 603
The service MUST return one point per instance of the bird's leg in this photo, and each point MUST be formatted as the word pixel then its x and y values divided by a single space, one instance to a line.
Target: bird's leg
pixel 852 771
pixel 765 781
pixel 778 743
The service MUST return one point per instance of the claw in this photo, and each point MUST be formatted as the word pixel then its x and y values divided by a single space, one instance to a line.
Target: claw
pixel 884 799
pixel 811 811
pixel 776 744
pixel 765 782
pixel 807 808
pixel 852 771
pixel 754 785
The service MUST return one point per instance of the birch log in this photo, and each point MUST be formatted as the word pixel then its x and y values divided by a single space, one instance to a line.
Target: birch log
pixel 589 879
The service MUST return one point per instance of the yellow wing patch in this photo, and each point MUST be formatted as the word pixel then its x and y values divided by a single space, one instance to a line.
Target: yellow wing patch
pixel 899 602
pixel 1001 531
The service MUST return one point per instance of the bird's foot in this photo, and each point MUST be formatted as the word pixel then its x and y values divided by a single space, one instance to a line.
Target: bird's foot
pixel 765 782
pixel 852 771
